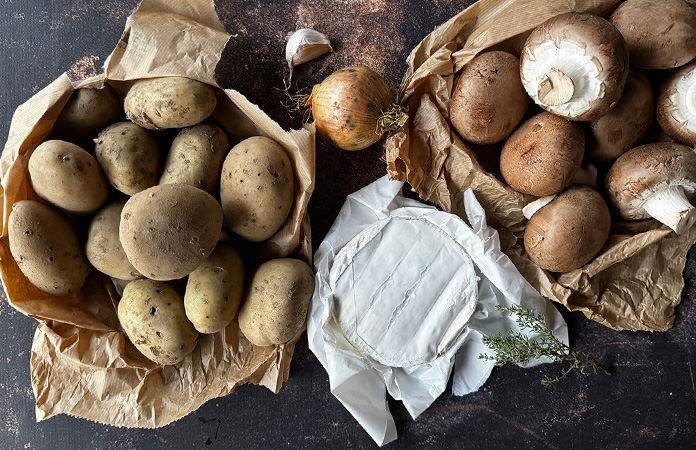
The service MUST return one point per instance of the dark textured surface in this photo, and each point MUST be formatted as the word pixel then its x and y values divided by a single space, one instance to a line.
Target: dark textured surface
pixel 650 401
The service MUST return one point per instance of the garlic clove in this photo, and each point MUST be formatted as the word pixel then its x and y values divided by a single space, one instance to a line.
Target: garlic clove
pixel 304 45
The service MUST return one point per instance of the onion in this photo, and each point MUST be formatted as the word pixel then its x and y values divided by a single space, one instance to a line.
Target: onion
pixel 352 108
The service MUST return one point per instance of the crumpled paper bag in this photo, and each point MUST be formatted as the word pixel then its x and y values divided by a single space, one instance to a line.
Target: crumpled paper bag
pixel 81 362
pixel 409 333
pixel 636 281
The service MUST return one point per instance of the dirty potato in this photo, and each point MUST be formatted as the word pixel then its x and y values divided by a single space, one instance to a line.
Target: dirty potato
pixel 169 230
pixel 256 188
pixel 169 102
pixel 87 112
pixel 46 247
pixel 68 177
pixel 195 157
pixel 214 290
pixel 104 249
pixel 129 156
pixel 276 302
pixel 152 315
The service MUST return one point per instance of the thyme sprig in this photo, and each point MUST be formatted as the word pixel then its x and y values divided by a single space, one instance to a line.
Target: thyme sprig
pixel 516 348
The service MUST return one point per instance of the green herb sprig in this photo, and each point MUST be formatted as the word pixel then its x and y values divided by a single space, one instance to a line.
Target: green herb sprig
pixel 517 348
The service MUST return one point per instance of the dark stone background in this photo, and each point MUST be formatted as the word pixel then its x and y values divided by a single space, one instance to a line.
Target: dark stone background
pixel 650 401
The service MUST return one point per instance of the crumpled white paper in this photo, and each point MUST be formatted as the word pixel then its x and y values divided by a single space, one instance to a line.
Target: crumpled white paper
pixel 396 315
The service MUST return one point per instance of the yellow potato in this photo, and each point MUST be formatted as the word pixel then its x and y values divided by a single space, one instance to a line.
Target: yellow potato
pixel 169 102
pixel 129 156
pixel 256 188
pixel 47 248
pixel 195 158
pixel 169 230
pixel 68 177
pixel 87 112
pixel 276 302
pixel 153 317
pixel 214 290
pixel 104 249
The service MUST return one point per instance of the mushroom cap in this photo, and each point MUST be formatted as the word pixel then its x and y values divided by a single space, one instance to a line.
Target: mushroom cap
pixel 676 105
pixel 541 157
pixel 586 48
pixel 488 101
pixel 660 34
pixel 641 171
pixel 619 130
pixel 569 231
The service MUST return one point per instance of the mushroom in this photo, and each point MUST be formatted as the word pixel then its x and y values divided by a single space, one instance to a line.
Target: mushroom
pixel 616 132
pixel 660 34
pixel 568 231
pixel 543 155
pixel 488 100
pixel 676 105
pixel 575 65
pixel 655 180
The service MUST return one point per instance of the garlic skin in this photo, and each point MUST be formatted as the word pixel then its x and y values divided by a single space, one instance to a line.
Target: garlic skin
pixel 304 45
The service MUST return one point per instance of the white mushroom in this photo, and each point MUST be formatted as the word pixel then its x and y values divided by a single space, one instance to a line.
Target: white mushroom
pixel 655 180
pixel 575 65
pixel 676 105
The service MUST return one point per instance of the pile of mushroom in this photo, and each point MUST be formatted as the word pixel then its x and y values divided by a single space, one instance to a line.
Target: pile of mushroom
pixel 599 117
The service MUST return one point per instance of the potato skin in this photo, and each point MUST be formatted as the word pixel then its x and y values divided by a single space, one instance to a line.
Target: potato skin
pixel 129 156
pixel 103 247
pixel 152 315
pixel 276 302
pixel 46 247
pixel 87 112
pixel 256 188
pixel 489 100
pixel 68 177
pixel 214 290
pixel 195 157
pixel 167 231
pixel 169 102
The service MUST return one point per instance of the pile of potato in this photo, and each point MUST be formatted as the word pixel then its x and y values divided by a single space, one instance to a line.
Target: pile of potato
pixel 595 86
pixel 147 209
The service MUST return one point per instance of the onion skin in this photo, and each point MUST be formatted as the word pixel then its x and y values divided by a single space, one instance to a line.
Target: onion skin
pixel 348 105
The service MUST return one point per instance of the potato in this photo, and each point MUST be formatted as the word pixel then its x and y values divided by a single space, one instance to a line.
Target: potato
pixel 214 290
pixel 195 158
pixel 129 156
pixel 68 177
pixel 46 247
pixel 152 315
pixel 167 231
pixel 276 302
pixel 103 248
pixel 87 112
pixel 256 188
pixel 169 102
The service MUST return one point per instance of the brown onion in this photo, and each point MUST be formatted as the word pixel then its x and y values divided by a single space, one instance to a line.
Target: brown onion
pixel 352 108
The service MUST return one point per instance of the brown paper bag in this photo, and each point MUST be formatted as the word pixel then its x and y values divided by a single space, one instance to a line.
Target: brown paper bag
pixel 81 362
pixel 635 283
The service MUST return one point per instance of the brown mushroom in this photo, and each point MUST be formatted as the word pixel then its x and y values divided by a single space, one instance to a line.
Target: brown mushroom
pixel 575 65
pixel 676 105
pixel 655 180
pixel 616 132
pixel 569 231
pixel 488 100
pixel 543 155
pixel 660 34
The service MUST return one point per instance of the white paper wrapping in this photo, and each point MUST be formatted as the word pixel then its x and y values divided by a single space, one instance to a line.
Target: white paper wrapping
pixel 404 293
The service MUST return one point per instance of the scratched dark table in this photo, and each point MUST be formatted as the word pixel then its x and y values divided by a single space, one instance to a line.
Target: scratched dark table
pixel 649 401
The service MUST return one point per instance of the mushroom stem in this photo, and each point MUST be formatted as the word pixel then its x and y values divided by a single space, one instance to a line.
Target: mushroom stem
pixel 586 175
pixel 670 206
pixel 556 88
pixel 531 208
